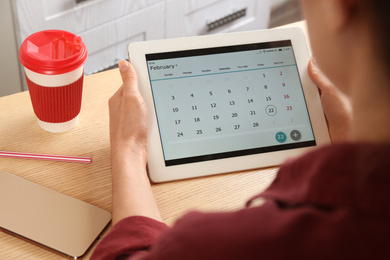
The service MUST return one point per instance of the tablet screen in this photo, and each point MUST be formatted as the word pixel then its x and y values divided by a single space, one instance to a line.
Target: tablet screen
pixel 229 101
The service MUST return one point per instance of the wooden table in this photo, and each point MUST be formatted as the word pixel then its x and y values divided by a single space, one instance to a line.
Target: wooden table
pixel 19 131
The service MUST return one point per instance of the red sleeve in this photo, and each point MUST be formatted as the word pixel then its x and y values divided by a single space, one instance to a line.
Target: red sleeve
pixel 129 236
pixel 265 232
pixel 273 232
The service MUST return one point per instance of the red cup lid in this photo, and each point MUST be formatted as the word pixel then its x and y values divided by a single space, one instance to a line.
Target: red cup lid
pixel 52 52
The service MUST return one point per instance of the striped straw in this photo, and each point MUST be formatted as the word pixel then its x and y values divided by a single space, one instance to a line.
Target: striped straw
pixel 49 157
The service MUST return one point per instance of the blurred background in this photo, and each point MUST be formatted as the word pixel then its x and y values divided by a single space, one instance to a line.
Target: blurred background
pixel 108 26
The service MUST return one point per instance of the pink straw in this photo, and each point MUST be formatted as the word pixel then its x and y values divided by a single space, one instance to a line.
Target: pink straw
pixel 62 158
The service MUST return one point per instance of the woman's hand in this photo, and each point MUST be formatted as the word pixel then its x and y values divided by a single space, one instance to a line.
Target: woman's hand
pixel 128 116
pixel 131 191
pixel 336 106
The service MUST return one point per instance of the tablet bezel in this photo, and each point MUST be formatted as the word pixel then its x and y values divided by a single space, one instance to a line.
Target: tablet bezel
pixel 158 172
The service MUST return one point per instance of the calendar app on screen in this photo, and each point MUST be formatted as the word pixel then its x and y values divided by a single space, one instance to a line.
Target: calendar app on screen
pixel 228 101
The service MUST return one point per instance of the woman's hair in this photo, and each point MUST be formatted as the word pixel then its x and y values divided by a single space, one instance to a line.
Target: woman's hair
pixel 378 11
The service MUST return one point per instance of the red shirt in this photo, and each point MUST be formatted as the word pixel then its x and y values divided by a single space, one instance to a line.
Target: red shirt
pixel 332 203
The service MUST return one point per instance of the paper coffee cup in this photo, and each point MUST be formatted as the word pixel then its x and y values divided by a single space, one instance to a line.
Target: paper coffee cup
pixel 54 67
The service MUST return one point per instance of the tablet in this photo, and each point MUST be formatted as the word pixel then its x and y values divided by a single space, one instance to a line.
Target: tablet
pixel 227 102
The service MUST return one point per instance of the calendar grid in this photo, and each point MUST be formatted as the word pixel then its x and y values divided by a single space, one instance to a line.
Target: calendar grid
pixel 229 104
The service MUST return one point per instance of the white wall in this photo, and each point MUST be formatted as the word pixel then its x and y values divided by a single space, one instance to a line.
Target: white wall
pixel 10 81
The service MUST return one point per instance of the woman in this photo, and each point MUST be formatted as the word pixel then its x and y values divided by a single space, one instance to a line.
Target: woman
pixel 332 203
